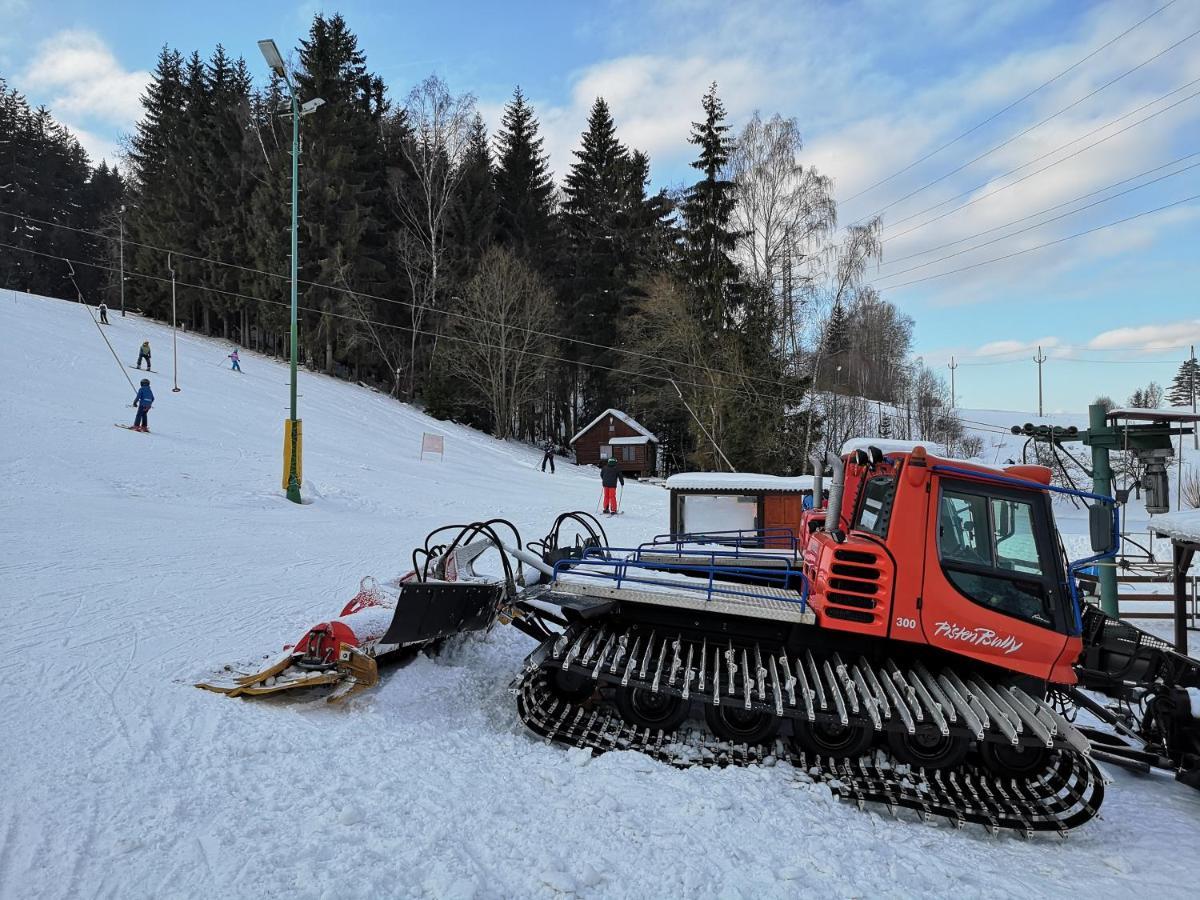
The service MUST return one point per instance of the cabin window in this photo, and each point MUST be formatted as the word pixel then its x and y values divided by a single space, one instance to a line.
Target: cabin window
pixel 876 510
pixel 605 451
pixel 629 453
pixel 989 552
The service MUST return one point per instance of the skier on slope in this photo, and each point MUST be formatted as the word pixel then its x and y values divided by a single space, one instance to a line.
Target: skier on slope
pixel 548 455
pixel 609 476
pixel 144 353
pixel 143 402
pixel 234 357
pixel 103 309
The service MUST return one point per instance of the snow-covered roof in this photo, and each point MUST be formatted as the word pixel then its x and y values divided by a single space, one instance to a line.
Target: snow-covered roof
pixel 640 439
pixel 1182 525
pixel 1169 414
pixel 888 445
pixel 738 481
pixel 624 417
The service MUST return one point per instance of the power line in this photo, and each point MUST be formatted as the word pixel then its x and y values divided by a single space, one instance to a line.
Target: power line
pixel 1016 102
pixel 408 303
pixel 1034 127
pixel 1059 206
pixel 1069 237
pixel 411 329
pixel 1058 149
pixel 1019 231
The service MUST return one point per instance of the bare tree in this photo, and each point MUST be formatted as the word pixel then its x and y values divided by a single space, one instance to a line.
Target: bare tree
pixel 499 347
pixel 440 128
pixel 784 215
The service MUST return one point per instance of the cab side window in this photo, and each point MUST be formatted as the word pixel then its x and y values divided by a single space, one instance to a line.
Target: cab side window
pixel 989 553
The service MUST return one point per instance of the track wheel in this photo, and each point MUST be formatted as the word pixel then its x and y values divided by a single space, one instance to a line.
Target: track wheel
pixel 833 739
pixel 570 686
pixel 928 747
pixel 646 709
pixel 740 725
pixel 1014 762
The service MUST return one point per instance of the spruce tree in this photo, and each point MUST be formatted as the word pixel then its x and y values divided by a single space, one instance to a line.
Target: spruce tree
pixel 153 167
pixel 472 226
pixel 524 188
pixel 344 225
pixel 707 208
pixel 1185 388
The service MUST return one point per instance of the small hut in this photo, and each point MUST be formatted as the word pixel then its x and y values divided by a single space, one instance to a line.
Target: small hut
pixel 616 435
pixel 706 502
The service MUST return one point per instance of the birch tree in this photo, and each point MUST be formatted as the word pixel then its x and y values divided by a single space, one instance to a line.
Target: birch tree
pixel 434 149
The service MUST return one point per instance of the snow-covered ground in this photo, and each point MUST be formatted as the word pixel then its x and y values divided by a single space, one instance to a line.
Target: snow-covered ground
pixel 131 564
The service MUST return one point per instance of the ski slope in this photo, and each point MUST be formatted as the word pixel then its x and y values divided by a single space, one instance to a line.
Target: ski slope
pixel 132 564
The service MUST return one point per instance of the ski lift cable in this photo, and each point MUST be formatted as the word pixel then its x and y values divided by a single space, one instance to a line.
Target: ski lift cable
pixel 1046 167
pixel 1048 209
pixel 355 293
pixel 408 328
pixel 92 316
pixel 1014 103
pixel 1043 246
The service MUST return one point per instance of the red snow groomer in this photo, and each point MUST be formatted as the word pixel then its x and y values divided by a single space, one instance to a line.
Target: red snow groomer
pixel 918 642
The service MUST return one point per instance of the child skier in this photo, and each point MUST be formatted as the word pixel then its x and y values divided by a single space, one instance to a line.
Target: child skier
pixel 143 402
pixel 234 356
pixel 103 314
pixel 144 353
pixel 609 476
pixel 548 456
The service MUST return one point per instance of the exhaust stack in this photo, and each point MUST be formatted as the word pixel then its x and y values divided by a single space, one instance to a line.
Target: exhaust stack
pixel 834 511
pixel 818 463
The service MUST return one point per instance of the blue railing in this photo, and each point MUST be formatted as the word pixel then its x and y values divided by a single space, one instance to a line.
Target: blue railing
pixel 1073 568
pixel 600 563
pixel 736 539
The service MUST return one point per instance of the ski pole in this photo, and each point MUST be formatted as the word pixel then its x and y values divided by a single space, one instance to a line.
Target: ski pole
pixel 620 496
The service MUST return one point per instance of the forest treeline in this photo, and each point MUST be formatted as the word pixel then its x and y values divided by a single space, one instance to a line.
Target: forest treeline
pixel 442 262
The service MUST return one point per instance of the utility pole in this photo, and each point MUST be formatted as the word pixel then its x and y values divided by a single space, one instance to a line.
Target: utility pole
pixel 1039 359
pixel 121 220
pixel 174 327
pixel 1192 387
pixel 953 396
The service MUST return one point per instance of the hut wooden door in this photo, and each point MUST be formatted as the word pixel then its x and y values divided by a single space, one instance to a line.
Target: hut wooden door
pixel 782 511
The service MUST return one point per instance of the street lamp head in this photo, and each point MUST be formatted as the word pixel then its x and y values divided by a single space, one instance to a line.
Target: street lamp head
pixel 271 54
pixel 311 106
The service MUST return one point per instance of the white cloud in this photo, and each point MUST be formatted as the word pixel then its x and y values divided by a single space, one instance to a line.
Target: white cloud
pixel 85 80
pixel 1009 347
pixel 1149 338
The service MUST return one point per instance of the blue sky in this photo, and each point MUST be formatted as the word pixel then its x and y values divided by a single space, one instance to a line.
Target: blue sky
pixel 874 84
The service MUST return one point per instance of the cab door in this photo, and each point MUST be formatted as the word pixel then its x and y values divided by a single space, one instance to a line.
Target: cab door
pixel 992 589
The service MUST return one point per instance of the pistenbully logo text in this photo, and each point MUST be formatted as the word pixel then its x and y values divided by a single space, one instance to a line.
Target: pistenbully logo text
pixel 980 637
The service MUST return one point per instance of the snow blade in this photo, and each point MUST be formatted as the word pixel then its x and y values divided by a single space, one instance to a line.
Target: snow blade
pixel 431 610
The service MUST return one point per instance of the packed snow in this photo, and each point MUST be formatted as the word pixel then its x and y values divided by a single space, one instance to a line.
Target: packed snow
pixel 738 481
pixel 134 564
pixel 1182 525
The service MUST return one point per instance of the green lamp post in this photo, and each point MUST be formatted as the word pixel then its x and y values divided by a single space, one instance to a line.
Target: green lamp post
pixel 292 434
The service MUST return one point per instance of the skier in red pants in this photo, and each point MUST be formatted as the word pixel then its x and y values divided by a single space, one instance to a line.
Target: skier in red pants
pixel 610 475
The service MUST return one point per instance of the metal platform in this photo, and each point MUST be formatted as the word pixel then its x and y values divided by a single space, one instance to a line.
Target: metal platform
pixel 766 559
pixel 750 601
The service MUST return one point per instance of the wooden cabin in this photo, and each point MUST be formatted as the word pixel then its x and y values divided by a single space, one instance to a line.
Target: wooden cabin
pixel 706 502
pixel 617 435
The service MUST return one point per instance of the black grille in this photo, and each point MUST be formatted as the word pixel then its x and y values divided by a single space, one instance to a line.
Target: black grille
pixel 850 584
pixel 857 556
pixel 851 600
pixel 855 571
pixel 848 615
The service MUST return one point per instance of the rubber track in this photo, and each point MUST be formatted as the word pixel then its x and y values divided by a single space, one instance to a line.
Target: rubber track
pixel 1066 795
